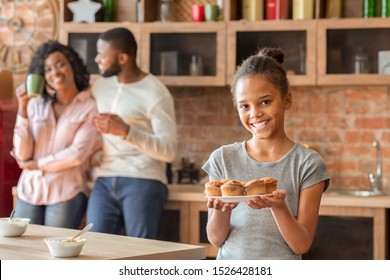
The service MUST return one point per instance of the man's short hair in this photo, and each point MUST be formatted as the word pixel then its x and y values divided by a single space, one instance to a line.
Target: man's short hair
pixel 121 39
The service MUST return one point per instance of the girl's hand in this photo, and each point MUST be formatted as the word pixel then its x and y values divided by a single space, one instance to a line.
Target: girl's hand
pixel 276 200
pixel 219 205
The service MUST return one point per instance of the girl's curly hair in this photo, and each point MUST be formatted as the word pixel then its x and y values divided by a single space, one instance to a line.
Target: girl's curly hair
pixel 81 74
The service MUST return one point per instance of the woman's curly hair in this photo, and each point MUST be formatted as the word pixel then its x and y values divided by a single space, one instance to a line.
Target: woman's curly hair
pixel 81 74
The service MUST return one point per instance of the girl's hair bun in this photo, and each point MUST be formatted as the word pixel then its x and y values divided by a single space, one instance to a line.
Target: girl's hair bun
pixel 274 53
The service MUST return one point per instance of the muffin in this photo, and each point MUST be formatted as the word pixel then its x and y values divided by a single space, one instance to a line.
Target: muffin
pixel 270 185
pixel 213 188
pixel 232 188
pixel 255 187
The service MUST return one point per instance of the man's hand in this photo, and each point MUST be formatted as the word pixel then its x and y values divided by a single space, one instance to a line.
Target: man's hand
pixel 108 123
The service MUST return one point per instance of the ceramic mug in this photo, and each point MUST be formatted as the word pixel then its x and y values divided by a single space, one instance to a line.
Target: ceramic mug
pixel 211 12
pixel 34 85
pixel 197 13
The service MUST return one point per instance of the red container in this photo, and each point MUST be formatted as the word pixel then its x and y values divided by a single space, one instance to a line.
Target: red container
pixel 197 13
pixel 277 9
pixel 9 169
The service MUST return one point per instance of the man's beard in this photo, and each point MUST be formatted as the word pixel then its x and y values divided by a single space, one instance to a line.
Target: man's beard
pixel 112 71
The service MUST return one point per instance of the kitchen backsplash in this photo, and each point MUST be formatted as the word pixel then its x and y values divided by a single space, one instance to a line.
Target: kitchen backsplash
pixel 341 121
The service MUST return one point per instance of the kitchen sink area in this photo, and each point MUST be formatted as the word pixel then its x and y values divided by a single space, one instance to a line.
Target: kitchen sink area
pixel 352 192
pixel 374 179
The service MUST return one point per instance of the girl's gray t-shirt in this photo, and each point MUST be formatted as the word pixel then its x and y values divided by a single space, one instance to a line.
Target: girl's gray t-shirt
pixel 253 232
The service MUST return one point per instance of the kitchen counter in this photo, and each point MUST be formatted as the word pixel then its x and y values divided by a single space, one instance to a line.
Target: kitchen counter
pixel 194 192
pixel 99 246
pixel 189 199
pixel 382 201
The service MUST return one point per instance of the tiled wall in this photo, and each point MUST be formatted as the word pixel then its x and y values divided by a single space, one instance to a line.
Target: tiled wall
pixel 341 121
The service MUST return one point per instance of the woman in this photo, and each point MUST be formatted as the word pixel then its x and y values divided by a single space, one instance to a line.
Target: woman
pixel 54 138
pixel 281 226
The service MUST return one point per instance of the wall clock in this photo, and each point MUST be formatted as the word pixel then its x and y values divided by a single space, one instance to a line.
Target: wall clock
pixel 24 25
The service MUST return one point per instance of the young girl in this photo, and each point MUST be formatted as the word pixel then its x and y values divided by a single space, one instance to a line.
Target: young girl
pixel 281 226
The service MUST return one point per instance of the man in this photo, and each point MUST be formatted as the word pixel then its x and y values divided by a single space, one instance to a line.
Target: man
pixel 137 122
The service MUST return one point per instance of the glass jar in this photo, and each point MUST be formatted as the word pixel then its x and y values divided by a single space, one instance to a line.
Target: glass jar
pixel 166 10
pixel 360 63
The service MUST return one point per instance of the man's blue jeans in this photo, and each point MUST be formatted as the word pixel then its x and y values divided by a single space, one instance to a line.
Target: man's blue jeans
pixel 135 203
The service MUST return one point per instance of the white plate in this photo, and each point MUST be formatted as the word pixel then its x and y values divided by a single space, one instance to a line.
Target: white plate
pixel 239 198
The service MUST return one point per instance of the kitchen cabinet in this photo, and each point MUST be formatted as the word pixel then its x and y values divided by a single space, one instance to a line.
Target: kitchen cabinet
pixel 374 208
pixel 317 52
pixel 83 37
pixel 169 50
pixel 296 38
pixel 348 51
pixel 189 201
pixel 173 46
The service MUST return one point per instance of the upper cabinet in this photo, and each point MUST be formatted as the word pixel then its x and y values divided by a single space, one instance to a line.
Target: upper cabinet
pixel 337 46
pixel 188 54
pixel 354 51
pixel 83 37
pixel 296 38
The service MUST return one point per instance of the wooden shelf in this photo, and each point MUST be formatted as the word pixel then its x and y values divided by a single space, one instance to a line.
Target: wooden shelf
pixel 279 34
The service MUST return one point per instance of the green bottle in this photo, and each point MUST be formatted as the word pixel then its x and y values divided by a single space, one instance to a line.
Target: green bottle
pixel 108 10
pixel 369 8
pixel 385 8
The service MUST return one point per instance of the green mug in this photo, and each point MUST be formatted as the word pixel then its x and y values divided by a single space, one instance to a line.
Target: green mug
pixel 34 85
pixel 211 12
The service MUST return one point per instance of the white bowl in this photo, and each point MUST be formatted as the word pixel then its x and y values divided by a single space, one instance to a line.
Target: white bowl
pixel 13 227
pixel 61 247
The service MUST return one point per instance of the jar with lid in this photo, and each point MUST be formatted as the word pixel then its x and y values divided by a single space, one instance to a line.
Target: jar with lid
pixel 166 10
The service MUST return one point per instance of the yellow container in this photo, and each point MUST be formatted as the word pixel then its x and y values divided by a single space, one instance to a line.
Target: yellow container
pixel 303 9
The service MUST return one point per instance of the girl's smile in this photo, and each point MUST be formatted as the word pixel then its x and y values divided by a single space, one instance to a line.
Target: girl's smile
pixel 261 106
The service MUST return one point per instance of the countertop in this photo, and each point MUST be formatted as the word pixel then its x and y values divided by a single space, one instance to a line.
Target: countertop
pixel 194 192
pixel 99 246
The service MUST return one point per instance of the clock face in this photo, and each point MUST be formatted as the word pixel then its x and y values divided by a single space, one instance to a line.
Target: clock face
pixel 24 25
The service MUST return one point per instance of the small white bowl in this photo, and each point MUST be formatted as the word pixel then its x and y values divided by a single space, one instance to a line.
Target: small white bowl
pixel 13 227
pixel 61 247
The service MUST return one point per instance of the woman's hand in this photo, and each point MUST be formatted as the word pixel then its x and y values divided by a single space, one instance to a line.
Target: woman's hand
pixel 29 164
pixel 276 200
pixel 22 98
pixel 219 205
pixel 111 124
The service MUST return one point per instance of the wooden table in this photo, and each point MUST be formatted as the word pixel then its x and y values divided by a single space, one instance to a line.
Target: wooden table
pixel 99 246
pixel 190 201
